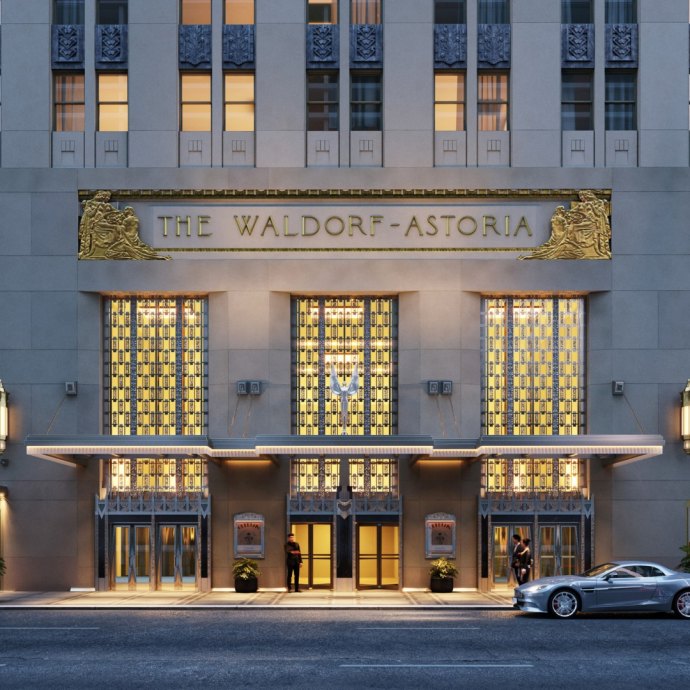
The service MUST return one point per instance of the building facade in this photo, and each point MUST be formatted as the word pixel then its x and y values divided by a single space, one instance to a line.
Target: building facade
pixel 405 277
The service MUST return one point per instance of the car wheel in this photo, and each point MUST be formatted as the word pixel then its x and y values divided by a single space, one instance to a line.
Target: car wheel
pixel 564 604
pixel 681 604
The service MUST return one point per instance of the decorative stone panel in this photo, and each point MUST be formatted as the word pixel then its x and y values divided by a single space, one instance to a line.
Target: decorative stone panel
pixel 323 46
pixel 238 46
pixel 111 46
pixel 195 46
pixel 67 46
pixel 493 45
pixel 450 45
pixel 366 45
pixel 577 45
pixel 621 45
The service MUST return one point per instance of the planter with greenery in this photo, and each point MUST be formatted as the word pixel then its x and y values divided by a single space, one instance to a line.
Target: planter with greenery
pixel 442 571
pixel 246 572
pixel 684 565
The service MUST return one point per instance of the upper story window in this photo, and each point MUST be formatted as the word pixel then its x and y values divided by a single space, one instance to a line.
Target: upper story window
pixel 195 11
pixel 322 101
pixel 322 11
pixel 239 11
pixel 155 369
pixel 493 12
pixel 492 103
pixel 621 12
pixel 111 11
pixel 621 100
pixel 577 100
pixel 366 104
pixel 68 11
pixel 68 102
pixel 195 102
pixel 365 11
pixel 113 109
pixel 576 12
pixel 239 102
pixel 344 333
pixel 449 101
pixel 450 12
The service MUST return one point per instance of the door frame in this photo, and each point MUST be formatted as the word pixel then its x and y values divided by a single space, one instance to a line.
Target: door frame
pixel 378 522
pixel 306 579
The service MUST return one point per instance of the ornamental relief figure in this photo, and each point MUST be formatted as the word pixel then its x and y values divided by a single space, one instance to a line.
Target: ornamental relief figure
pixel 581 232
pixel 107 233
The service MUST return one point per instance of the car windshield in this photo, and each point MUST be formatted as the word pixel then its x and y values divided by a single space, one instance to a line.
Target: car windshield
pixel 598 569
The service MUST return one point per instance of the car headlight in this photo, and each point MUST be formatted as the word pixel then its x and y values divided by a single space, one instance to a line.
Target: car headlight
pixel 534 588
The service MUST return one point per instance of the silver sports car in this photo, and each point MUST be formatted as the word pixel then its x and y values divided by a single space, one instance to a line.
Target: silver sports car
pixel 615 586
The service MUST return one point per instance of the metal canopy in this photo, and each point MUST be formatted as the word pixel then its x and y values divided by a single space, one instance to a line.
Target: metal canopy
pixel 609 449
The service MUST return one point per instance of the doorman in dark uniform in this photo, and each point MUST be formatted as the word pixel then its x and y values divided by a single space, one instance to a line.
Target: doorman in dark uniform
pixel 293 561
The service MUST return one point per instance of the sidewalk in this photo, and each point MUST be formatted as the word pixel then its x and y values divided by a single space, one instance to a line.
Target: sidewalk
pixel 266 599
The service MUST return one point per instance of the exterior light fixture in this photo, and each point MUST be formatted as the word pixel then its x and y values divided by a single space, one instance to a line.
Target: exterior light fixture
pixel 3 417
pixel 685 417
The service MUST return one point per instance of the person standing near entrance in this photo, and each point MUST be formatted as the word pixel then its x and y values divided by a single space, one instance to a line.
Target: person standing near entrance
pixel 293 561
pixel 515 557
pixel 525 562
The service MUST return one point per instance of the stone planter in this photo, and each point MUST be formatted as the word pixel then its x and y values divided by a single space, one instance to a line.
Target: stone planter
pixel 246 586
pixel 441 584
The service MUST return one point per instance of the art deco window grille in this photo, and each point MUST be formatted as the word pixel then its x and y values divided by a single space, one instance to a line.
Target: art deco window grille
pixel 155 371
pixel 157 475
pixel 344 332
pixel 315 476
pixel 533 384
pixel 374 475
pixel 368 476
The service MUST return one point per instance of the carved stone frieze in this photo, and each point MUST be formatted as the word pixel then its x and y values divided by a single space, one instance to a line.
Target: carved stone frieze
pixel 111 45
pixel 450 45
pixel 621 45
pixel 323 45
pixel 238 46
pixel 366 45
pixel 581 232
pixel 105 232
pixel 67 46
pixel 493 45
pixel 195 46
pixel 577 45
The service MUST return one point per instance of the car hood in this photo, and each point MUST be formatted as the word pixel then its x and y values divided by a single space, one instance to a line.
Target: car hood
pixel 553 581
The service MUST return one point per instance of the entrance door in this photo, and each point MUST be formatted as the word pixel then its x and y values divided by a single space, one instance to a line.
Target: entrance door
pixel 378 556
pixel 177 556
pixel 557 551
pixel 315 540
pixel 502 550
pixel 131 556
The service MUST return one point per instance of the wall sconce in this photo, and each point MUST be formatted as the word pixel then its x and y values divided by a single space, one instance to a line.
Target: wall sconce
pixel 249 388
pixel 4 492
pixel 685 417
pixel 439 388
pixel 3 417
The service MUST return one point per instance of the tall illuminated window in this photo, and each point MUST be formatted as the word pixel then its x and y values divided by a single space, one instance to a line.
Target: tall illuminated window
pixel 113 109
pixel 449 101
pixel 344 332
pixel 239 102
pixel 68 102
pixel 533 378
pixel 492 102
pixel 156 354
pixel 195 102
pixel 239 11
pixel 195 11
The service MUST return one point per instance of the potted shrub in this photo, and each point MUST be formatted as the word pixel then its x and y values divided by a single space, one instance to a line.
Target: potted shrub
pixel 246 572
pixel 442 572
pixel 684 565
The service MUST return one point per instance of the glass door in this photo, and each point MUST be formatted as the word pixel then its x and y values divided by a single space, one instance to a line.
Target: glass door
pixel 557 550
pixel 502 550
pixel 315 540
pixel 131 556
pixel 378 556
pixel 177 556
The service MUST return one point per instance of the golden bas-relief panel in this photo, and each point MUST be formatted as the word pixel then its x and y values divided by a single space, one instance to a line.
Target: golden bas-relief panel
pixel 581 232
pixel 108 233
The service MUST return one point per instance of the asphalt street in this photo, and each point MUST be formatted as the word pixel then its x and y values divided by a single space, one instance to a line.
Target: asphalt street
pixel 339 649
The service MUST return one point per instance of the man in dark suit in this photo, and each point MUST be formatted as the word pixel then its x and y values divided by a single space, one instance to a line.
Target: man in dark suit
pixel 515 557
pixel 293 561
